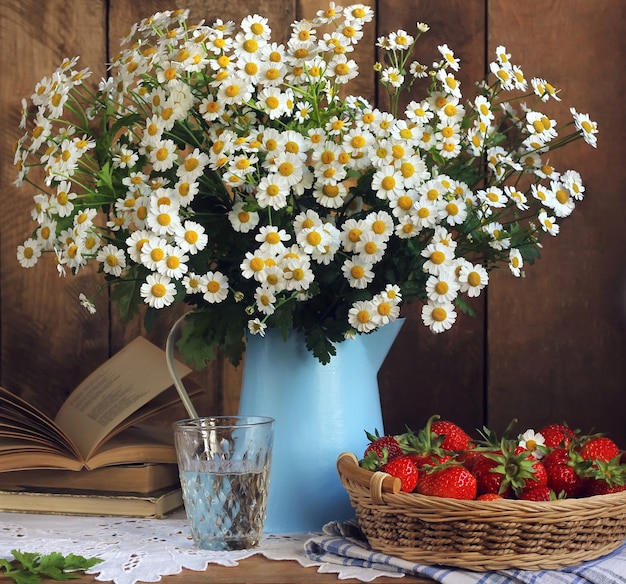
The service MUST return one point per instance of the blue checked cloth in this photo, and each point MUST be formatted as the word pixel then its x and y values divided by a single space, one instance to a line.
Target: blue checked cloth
pixel 344 544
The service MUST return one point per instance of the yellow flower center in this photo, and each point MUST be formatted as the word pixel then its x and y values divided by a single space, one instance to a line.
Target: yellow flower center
pixel 272 102
pixel 272 238
pixel 191 164
pixel 561 196
pixel 191 237
pixel 447 132
pixel 257 264
pixel 354 235
pixel 286 168
pixel 232 91
pixel 159 290
pixel 314 238
pixel 157 254
pixel 162 154
pixel 437 257
pixel 272 190
pixel 388 183
pixel 250 46
pixel 298 274
pixel 379 227
pixel 441 287
pixel 397 151
pixel 357 272
pixel 363 316
pixel 452 209
pixel 473 278
pixel 213 286
pixel 439 314
pixel 173 262
pixel 405 202
pixel 292 147
pixel 450 110
pixel 243 216
pixel 370 247
pixel 358 141
pixel 301 53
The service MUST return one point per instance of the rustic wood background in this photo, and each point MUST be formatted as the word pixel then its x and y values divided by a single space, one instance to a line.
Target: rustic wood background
pixel 550 347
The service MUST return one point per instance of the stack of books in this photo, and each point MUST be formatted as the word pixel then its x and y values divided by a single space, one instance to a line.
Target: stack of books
pixel 99 455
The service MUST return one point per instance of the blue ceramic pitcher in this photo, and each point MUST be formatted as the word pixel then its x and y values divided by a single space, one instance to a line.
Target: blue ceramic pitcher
pixel 320 412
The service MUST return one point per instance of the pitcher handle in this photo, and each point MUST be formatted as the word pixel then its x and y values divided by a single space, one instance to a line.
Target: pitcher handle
pixel 171 365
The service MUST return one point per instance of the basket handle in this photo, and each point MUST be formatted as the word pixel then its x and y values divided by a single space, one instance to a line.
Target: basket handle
pixel 379 482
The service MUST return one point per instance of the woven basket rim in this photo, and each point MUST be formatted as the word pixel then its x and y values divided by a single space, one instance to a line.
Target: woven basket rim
pixel 503 505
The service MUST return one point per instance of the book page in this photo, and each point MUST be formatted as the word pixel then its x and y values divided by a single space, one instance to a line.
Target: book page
pixel 119 387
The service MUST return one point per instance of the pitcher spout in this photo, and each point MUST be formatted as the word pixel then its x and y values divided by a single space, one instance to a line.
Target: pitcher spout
pixel 377 345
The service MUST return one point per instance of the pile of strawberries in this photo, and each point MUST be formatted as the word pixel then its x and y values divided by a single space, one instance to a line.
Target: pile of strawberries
pixel 442 460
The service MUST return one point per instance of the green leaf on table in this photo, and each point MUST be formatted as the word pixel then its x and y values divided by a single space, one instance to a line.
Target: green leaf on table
pixel 30 567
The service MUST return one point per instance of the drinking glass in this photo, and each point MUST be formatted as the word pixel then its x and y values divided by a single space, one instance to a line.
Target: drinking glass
pixel 224 464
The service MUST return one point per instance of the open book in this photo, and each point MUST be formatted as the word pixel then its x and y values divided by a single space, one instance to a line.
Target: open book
pixel 99 423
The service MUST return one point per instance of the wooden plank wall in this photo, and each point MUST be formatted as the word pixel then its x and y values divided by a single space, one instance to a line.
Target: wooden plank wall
pixel 549 347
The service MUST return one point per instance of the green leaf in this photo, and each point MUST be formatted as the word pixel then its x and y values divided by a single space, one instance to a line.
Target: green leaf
pixel 29 567
pixel 463 306
pixel 125 294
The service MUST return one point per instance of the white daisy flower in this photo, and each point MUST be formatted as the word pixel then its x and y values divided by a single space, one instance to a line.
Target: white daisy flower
pixel 29 253
pixel 158 291
pixel 216 287
pixel 361 316
pixel 442 288
pixel 473 278
pixel 533 442
pixel 358 272
pixel 516 262
pixel 113 260
pixel 438 317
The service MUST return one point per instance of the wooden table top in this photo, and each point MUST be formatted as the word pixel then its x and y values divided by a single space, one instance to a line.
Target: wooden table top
pixel 256 570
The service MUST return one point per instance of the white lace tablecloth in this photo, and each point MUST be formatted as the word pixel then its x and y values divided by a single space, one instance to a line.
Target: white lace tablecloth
pixel 143 550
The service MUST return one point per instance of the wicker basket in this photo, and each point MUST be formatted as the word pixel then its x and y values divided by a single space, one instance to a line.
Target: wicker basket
pixel 481 535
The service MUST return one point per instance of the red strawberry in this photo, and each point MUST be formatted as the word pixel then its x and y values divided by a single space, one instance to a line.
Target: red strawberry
pixel 422 460
pixel 508 471
pixel 606 477
pixel 489 497
pixel 453 481
pixel 557 435
pixel 540 478
pixel 424 446
pixel 455 439
pixel 489 481
pixel 601 487
pixel 563 467
pixel 538 494
pixel 380 451
pixel 598 448
pixel 404 468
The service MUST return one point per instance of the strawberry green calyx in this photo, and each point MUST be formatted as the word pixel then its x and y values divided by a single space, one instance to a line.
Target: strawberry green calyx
pixel 517 467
